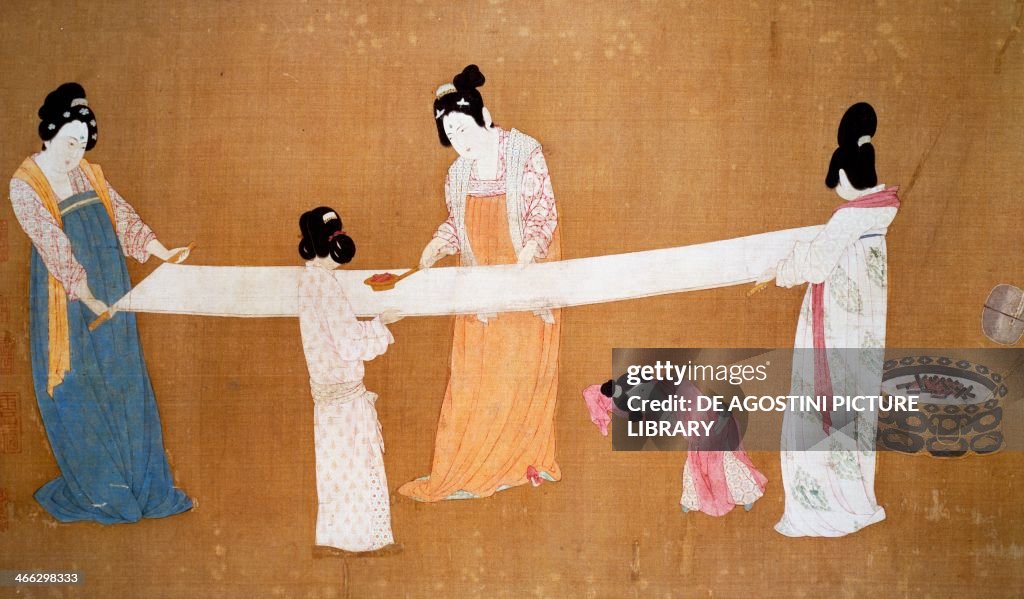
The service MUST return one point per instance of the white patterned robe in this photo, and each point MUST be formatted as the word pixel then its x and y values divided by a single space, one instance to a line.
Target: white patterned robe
pixel 354 510
pixel 830 488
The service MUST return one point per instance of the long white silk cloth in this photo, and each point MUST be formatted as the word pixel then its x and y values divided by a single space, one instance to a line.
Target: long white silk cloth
pixel 269 291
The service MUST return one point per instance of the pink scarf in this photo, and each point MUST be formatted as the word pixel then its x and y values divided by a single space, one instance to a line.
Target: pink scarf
pixel 886 198
pixel 598 405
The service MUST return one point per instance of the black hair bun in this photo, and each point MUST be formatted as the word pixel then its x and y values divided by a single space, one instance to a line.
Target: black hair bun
pixel 608 388
pixel 858 121
pixel 855 159
pixel 59 101
pixel 57 111
pixel 469 78
pixel 322 235
pixel 342 248
pixel 306 249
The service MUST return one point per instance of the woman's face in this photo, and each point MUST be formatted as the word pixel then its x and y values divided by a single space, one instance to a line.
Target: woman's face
pixel 468 138
pixel 68 147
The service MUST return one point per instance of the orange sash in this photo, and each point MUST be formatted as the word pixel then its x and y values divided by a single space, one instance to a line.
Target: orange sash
pixel 60 341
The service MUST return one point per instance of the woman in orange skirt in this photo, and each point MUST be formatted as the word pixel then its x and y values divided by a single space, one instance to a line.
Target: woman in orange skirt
pixel 497 424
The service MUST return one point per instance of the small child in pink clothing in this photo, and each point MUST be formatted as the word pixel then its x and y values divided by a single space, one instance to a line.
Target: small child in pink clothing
pixel 354 510
pixel 717 474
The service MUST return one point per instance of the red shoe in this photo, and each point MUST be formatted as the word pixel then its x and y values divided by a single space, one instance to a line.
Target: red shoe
pixel 533 476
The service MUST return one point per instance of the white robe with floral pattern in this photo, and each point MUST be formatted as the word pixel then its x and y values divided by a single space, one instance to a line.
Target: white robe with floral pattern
pixel 354 506
pixel 829 480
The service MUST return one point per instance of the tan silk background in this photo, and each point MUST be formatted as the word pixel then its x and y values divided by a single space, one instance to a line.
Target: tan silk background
pixel 664 124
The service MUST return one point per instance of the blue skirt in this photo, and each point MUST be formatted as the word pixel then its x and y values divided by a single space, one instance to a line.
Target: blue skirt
pixel 102 421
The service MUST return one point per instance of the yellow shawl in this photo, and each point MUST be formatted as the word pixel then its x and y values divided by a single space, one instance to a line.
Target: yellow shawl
pixel 60 342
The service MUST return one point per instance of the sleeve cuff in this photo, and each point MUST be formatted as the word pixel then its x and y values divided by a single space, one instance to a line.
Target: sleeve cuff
pixel 73 281
pixel 139 245
pixel 543 243
pixel 451 243
pixel 381 331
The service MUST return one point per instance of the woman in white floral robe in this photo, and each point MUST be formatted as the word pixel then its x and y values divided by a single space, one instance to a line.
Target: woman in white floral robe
pixel 828 469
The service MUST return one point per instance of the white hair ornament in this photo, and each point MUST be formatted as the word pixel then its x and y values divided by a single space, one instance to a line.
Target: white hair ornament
pixel 444 90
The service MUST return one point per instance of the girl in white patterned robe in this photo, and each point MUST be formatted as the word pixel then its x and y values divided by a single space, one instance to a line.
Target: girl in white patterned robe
pixel 354 512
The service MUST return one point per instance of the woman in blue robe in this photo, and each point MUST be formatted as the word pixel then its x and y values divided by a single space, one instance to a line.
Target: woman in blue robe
pixel 92 387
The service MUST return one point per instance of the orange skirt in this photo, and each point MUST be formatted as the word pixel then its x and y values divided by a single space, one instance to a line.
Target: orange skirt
pixel 498 415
